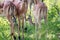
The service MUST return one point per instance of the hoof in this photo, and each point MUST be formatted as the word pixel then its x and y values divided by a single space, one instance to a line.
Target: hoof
pixel 14 37
pixel 19 38
pixel 25 29
pixel 11 34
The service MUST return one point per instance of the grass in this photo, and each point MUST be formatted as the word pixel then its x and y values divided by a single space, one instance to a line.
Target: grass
pixel 29 35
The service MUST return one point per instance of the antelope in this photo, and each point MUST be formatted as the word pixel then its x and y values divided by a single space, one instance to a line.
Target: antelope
pixel 6 5
pixel 22 9
pixel 39 11
pixel 18 12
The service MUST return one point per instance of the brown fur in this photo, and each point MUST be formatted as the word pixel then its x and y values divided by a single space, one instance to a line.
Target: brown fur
pixel 40 11
pixel 20 11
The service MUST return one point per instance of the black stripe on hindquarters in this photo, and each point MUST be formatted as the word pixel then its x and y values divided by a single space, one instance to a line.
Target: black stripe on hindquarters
pixel 11 13
pixel 19 38
pixel 12 8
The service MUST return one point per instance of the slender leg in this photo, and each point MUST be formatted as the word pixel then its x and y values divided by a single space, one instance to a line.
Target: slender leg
pixel 11 23
pixel 39 23
pixel 40 12
pixel 36 30
pixel 24 20
pixel 45 15
pixel 23 28
pixel 12 31
pixel 46 21
pixel 12 26
pixel 39 27
pixel 19 28
pixel 36 24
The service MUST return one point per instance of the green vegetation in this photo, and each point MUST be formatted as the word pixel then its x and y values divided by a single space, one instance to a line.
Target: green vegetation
pixel 53 26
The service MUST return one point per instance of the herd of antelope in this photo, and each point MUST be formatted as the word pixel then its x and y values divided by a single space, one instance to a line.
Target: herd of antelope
pixel 17 9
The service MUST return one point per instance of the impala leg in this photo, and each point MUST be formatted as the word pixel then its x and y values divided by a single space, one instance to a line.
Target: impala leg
pixel 36 24
pixel 39 17
pixel 24 20
pixel 39 23
pixel 19 28
pixel 45 15
pixel 23 27
pixel 12 27
pixel 46 21
pixel 36 30
pixel 12 30
pixel 11 22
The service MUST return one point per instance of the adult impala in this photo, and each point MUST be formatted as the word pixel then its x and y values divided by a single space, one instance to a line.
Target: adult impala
pixel 40 10
pixel 18 12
